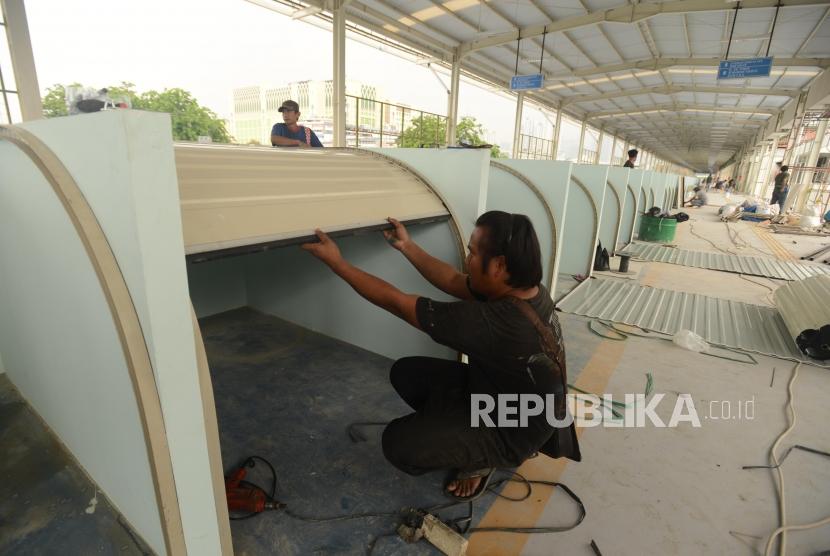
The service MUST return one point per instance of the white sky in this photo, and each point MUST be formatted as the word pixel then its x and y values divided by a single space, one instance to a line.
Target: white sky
pixel 209 47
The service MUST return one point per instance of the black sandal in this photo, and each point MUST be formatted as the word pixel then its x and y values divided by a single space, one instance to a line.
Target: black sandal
pixel 486 474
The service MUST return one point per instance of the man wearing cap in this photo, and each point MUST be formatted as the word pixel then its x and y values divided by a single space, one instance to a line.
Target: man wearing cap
pixel 289 133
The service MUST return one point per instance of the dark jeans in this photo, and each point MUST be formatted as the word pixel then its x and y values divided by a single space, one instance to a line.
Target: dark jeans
pixel 779 197
pixel 438 434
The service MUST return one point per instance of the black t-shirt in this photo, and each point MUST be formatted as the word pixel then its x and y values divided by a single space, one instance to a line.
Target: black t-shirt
pixel 499 340
pixel 628 164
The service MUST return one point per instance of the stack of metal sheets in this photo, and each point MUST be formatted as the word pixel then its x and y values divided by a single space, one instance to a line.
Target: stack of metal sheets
pixel 742 264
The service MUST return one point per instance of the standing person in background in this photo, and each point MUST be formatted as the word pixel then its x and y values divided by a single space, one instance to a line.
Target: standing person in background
pixel 780 188
pixel 632 158
pixel 291 134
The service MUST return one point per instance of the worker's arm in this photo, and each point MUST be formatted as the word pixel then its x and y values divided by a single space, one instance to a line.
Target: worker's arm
pixel 372 288
pixel 442 275
pixel 280 141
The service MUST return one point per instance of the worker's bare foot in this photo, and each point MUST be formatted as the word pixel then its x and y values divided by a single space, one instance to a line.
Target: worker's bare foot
pixel 464 488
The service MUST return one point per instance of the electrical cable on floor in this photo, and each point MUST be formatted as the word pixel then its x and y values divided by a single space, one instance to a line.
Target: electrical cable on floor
pixel 653 335
pixel 461 525
pixel 709 241
pixel 768 296
pixel 736 235
pixel 455 523
pixel 518 478
pixel 787 453
pixel 776 465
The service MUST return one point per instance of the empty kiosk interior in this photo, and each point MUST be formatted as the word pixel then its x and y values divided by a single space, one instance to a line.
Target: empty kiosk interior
pixel 538 189
pixel 631 206
pixel 612 212
pixel 643 198
pixel 584 208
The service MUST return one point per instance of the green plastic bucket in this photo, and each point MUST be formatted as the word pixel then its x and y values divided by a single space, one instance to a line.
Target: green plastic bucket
pixel 657 229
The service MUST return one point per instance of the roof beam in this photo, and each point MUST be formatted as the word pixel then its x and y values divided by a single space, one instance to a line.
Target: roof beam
pixel 674 124
pixel 629 14
pixel 655 64
pixel 679 108
pixel 671 89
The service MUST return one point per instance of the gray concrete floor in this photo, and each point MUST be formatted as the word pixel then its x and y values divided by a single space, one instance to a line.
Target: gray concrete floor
pixel 682 490
pixel 44 495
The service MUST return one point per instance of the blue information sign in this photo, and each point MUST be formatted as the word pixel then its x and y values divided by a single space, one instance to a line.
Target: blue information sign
pixel 743 69
pixel 525 82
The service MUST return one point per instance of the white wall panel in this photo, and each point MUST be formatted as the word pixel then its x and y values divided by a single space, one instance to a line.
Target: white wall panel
pixel 553 178
pixel 60 346
pixel 584 214
pixel 508 193
pixel 135 197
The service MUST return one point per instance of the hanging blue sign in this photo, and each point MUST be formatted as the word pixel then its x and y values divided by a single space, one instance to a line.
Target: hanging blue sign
pixel 526 82
pixel 744 69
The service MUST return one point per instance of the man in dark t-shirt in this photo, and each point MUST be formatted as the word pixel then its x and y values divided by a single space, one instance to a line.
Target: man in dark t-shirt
pixel 290 133
pixel 492 326
pixel 781 187
pixel 632 158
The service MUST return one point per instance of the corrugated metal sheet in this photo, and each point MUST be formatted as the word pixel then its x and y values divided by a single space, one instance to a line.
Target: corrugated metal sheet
pixel 743 264
pixel 804 305
pixel 235 196
pixel 719 321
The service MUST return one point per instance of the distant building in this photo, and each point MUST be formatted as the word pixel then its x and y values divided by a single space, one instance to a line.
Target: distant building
pixel 255 111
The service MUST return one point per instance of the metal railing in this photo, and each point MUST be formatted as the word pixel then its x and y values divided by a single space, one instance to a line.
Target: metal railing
pixel 534 148
pixel 374 123
pixel 587 156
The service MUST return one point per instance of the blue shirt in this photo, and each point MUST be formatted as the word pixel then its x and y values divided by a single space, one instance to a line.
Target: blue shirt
pixel 283 131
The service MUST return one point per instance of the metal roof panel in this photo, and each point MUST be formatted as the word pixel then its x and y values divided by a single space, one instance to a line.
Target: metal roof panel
pixel 743 264
pixel 720 322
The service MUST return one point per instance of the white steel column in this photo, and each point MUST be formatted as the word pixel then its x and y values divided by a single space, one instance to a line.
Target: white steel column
pixel 517 126
pixel 581 141
pixel 23 61
pixel 452 103
pixel 749 186
pixel 599 145
pixel 756 171
pixel 339 73
pixel 750 161
pixel 798 120
pixel 554 148
pixel 613 149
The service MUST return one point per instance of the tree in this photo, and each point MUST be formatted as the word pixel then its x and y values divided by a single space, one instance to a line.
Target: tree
pixel 189 119
pixel 469 131
pixel 426 131
pixel 432 130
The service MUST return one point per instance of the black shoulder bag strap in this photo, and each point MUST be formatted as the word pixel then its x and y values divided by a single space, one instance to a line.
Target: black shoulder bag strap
pixel 563 442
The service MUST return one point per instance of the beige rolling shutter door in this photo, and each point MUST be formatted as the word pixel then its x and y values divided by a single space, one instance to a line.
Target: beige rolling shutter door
pixel 238 196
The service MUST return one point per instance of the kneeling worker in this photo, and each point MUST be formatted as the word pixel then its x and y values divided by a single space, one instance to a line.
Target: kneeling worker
pixel 289 133
pixel 699 198
pixel 505 323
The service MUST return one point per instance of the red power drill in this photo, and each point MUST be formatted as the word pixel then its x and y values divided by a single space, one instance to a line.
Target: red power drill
pixel 244 496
